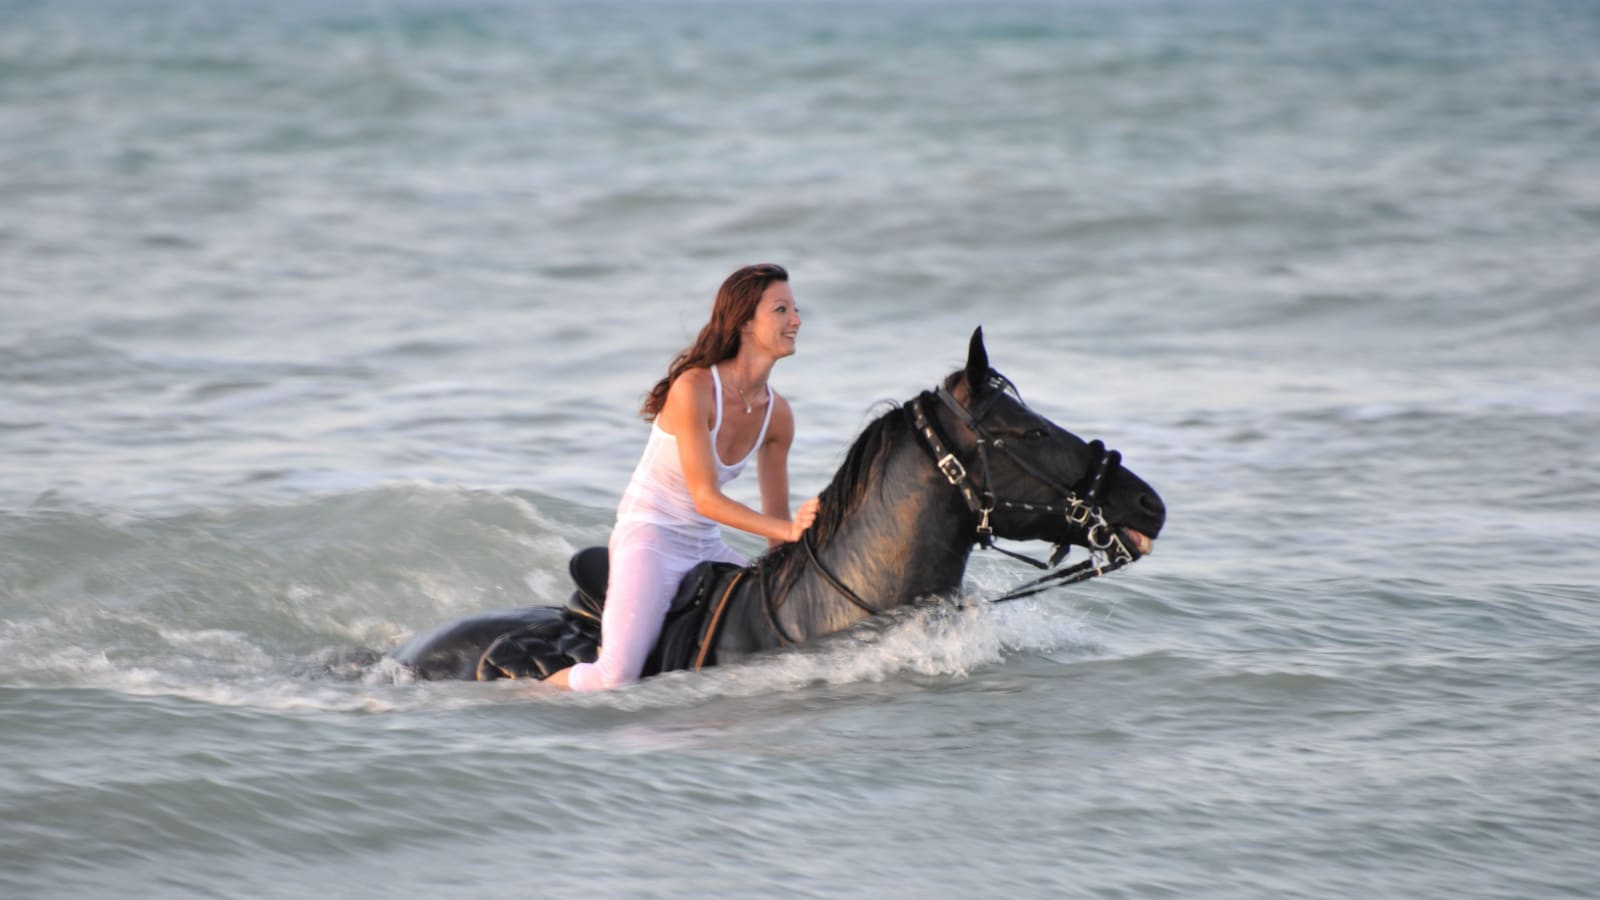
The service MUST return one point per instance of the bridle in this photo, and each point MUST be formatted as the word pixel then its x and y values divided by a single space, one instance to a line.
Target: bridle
pixel 1107 551
pixel 1082 509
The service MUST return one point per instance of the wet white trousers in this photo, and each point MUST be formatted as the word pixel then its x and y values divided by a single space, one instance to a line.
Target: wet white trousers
pixel 648 563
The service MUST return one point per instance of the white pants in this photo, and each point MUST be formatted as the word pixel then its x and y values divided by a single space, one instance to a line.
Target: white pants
pixel 648 563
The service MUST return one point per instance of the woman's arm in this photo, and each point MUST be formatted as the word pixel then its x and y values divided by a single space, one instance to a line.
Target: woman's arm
pixel 772 466
pixel 687 416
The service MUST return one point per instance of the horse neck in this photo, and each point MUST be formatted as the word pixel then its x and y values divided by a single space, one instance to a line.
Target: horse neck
pixel 909 537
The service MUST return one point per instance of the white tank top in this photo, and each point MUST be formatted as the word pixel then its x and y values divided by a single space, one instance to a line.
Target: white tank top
pixel 659 494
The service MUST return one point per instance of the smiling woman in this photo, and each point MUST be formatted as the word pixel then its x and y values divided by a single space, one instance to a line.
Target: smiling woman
pixel 671 514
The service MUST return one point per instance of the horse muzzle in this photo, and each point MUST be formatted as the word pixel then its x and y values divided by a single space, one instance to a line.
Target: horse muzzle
pixel 1141 543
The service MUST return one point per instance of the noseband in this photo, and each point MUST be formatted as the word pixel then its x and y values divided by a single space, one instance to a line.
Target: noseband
pixel 1107 552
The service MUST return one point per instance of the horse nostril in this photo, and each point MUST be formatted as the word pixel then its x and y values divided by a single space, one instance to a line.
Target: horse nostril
pixel 1152 504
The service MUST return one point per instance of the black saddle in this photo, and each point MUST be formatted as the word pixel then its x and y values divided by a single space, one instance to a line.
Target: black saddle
pixel 540 649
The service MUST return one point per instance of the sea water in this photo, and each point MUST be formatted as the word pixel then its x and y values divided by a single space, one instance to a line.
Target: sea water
pixel 322 324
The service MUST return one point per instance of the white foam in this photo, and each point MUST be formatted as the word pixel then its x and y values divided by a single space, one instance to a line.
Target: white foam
pixel 215 644
pixel 934 640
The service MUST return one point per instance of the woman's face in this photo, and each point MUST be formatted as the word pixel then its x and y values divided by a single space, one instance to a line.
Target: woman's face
pixel 776 322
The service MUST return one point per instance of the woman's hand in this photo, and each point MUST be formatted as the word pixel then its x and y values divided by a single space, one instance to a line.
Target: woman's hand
pixel 803 518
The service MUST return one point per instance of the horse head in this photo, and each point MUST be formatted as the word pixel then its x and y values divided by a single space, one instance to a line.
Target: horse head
pixel 1027 478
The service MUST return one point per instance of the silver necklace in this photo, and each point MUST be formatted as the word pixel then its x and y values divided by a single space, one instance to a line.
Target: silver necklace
pixel 748 409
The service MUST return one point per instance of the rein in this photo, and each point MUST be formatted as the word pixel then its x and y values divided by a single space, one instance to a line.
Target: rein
pixel 811 552
pixel 1107 552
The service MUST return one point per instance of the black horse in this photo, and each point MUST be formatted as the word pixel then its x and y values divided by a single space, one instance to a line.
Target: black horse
pixel 923 484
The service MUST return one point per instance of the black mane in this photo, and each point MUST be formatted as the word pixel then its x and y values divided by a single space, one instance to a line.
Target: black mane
pixel 856 475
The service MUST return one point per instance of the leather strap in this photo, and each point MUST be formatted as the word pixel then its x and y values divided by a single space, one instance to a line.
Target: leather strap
pixel 710 637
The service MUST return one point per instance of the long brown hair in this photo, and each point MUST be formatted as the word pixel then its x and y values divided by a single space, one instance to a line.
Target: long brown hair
pixel 719 339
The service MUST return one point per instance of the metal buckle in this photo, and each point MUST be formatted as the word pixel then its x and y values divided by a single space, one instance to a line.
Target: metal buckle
pixel 952 468
pixel 1101 536
pixel 1078 513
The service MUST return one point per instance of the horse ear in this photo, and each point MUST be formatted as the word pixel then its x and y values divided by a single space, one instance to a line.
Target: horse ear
pixel 977 362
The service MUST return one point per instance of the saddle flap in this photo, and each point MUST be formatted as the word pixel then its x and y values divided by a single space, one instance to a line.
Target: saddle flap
pixel 687 619
pixel 697 584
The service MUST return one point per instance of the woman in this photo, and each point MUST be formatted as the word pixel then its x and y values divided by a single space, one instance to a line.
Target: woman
pixel 714 405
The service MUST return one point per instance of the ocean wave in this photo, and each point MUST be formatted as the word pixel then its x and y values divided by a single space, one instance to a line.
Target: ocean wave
pixel 292 607
pixel 238 588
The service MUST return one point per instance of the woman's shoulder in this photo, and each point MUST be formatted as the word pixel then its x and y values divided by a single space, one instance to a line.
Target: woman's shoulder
pixel 692 381
pixel 690 391
pixel 781 427
pixel 780 405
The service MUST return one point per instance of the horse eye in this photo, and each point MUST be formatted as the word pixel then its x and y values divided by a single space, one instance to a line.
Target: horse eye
pixel 1033 435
